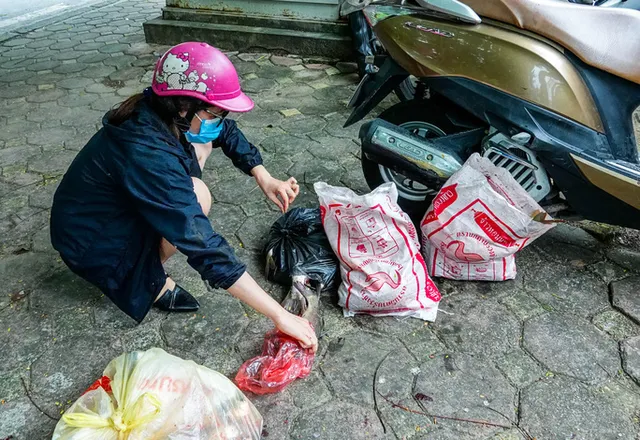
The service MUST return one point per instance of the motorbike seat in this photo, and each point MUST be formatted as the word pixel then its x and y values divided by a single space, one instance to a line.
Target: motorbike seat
pixel 606 38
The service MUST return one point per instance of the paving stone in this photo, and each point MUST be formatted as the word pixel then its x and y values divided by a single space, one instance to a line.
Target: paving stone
pixel 45 78
pixel 44 65
pixel 21 420
pixel 256 85
pixel 70 68
pixel 9 92
pixel 310 392
pixel 55 376
pixel 45 96
pixel 98 71
pixel 24 334
pixel 477 326
pixel 142 338
pixel 11 386
pixel 625 296
pixel 519 368
pixel 278 412
pixel 14 42
pixel 106 103
pixel 569 345
pixel 92 58
pixel 16 76
pixel 578 292
pixel 99 88
pixel 15 155
pixel 307 170
pixel 253 56
pixel 42 241
pixel 350 364
pixel 463 386
pixel 253 232
pixel 17 52
pixel 273 72
pixel 564 408
pixel 107 38
pixel 113 48
pixel 77 99
pixel 226 219
pixel 24 272
pixel 523 306
pixel 74 83
pixel 332 420
pixel 62 291
pixel 616 324
pixel 88 46
pixel 127 74
pixel 51 137
pixel 625 257
pixel 301 126
pixel 335 127
pixel 285 61
pixel 393 384
pixel 630 349
pixel 608 271
pixel 287 145
pixel 218 323
pixel 120 61
pixel 575 256
pixel 260 119
pixel 390 325
pixel 52 164
pixel 573 234
pixel 147 61
pixel 64 44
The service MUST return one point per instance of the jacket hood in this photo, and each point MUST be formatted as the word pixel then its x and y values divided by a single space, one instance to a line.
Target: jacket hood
pixel 144 127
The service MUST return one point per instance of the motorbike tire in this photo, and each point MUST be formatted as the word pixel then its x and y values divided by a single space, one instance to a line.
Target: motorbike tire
pixel 433 112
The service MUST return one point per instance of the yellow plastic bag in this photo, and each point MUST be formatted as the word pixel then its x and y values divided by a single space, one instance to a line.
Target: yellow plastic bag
pixel 152 395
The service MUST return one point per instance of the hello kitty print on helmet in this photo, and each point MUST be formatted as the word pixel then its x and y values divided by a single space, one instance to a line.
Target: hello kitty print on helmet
pixel 200 71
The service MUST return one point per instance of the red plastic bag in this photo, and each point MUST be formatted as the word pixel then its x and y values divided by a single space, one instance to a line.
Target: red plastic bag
pixel 283 360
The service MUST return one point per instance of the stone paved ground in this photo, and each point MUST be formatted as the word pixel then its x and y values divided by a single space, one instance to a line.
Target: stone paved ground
pixel 554 354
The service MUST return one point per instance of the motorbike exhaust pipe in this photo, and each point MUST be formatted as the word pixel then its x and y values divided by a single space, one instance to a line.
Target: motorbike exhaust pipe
pixel 428 161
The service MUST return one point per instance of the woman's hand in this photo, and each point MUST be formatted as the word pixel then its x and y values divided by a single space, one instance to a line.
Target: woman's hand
pixel 279 192
pixel 247 290
pixel 298 328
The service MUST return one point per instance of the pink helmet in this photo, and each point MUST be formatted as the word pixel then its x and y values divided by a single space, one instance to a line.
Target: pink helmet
pixel 203 72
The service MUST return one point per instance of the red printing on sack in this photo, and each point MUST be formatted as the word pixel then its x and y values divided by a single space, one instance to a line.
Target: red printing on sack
pixel 493 231
pixel 445 198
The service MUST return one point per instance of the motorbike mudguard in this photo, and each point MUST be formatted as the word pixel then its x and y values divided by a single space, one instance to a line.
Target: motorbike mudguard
pixel 374 88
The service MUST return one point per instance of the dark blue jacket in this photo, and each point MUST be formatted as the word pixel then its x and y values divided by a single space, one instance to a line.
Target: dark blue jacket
pixel 132 180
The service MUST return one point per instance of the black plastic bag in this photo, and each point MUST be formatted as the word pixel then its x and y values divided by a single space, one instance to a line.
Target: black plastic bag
pixel 297 243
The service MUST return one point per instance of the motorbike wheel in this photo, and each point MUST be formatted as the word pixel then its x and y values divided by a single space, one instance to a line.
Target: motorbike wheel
pixel 426 119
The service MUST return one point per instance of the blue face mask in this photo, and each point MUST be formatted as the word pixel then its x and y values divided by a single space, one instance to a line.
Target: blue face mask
pixel 209 131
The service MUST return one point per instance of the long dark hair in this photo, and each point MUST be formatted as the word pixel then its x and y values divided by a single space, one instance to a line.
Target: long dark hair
pixel 167 107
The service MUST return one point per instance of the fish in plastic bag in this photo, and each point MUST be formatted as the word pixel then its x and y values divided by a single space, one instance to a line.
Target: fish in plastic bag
pixel 152 395
pixel 478 221
pixel 283 360
pixel 383 272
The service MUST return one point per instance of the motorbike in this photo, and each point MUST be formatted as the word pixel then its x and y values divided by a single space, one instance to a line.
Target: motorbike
pixel 543 88
pixel 366 45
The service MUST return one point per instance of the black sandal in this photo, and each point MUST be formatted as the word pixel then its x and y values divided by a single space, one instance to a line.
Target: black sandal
pixel 177 300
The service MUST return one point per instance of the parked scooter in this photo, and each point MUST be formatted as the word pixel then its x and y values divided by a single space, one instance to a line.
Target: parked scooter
pixel 366 46
pixel 543 88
